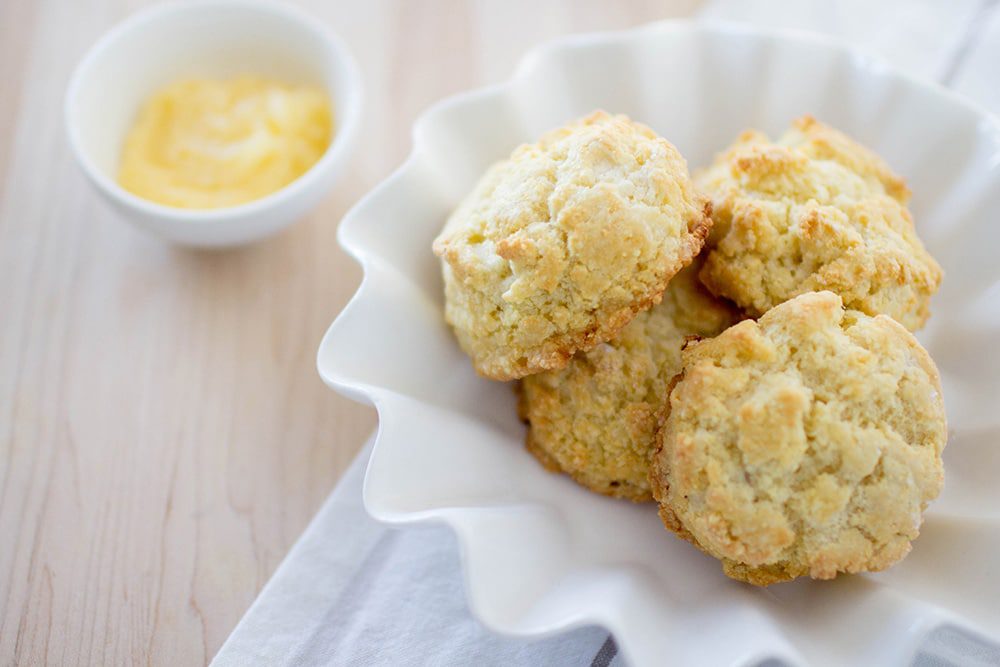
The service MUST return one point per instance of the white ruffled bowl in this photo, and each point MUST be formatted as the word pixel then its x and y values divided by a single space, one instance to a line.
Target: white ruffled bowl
pixel 541 554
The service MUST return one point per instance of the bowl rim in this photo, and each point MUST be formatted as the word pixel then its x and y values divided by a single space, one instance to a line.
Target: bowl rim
pixel 347 113
pixel 367 391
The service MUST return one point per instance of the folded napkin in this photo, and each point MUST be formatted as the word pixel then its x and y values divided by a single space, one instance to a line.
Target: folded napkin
pixel 355 592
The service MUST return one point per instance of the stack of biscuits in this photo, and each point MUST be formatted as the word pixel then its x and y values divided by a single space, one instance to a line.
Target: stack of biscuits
pixel 736 347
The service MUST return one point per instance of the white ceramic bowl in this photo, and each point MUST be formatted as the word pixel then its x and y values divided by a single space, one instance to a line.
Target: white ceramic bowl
pixel 215 38
pixel 542 554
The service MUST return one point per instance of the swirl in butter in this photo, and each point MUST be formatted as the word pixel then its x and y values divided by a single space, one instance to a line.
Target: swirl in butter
pixel 208 144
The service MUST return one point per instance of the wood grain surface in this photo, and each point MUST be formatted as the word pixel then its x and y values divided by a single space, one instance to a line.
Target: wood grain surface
pixel 164 436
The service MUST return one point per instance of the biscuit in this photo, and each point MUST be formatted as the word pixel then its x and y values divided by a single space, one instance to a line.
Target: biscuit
pixel 814 211
pixel 808 443
pixel 596 418
pixel 559 246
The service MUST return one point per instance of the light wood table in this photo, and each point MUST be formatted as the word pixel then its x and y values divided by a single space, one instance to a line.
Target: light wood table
pixel 164 436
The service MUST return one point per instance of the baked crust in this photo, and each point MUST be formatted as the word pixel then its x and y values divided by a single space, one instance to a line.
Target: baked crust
pixel 814 211
pixel 808 443
pixel 561 245
pixel 596 418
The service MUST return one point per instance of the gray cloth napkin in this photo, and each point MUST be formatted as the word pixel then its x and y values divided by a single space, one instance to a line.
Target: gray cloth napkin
pixel 354 592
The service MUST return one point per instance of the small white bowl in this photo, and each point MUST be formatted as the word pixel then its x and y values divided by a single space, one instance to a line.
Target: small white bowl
pixel 212 39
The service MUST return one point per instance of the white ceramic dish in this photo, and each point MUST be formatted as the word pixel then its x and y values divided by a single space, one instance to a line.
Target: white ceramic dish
pixel 542 554
pixel 214 39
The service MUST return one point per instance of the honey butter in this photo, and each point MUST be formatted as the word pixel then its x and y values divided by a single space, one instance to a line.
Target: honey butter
pixel 208 143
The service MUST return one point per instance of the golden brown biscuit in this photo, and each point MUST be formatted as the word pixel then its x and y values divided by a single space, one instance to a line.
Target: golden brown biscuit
pixel 814 211
pixel 808 443
pixel 559 246
pixel 596 418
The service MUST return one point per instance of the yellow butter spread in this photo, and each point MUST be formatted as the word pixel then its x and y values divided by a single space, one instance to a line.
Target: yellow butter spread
pixel 206 144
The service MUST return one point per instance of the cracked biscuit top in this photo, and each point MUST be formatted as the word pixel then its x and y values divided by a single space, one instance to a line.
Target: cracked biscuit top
pixel 807 443
pixel 596 419
pixel 814 211
pixel 559 246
